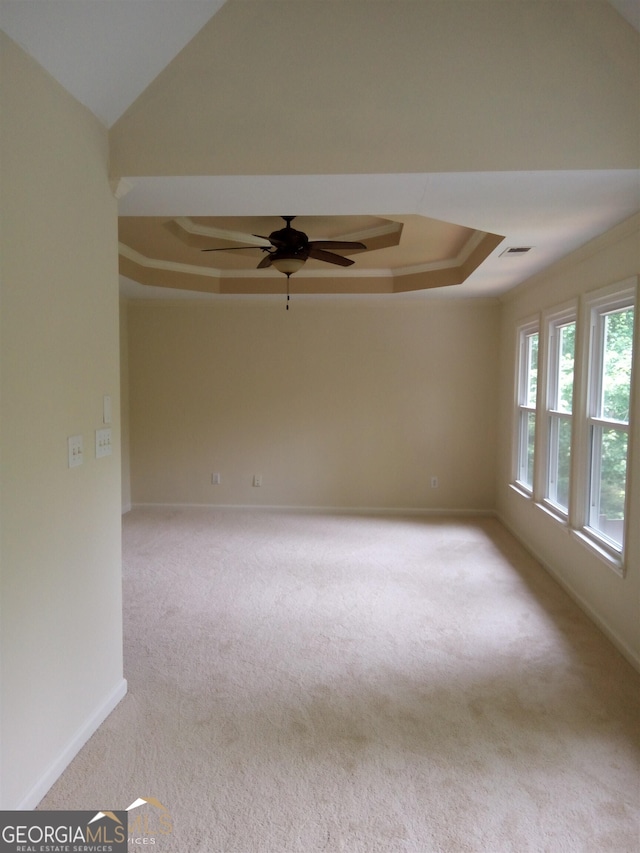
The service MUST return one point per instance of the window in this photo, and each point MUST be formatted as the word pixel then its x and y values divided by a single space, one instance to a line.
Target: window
pixel 527 394
pixel 610 358
pixel 572 416
pixel 560 374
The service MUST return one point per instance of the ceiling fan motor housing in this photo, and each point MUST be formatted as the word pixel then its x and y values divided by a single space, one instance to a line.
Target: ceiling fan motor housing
pixel 290 242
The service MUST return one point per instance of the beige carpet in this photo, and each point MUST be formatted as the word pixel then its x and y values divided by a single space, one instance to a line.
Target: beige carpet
pixel 331 683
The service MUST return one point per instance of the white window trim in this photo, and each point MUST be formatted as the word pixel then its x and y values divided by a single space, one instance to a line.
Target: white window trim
pixel 613 297
pixel 526 328
pixel 610 298
pixel 552 321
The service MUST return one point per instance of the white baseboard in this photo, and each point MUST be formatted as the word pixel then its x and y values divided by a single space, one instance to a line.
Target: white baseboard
pixel 584 605
pixel 57 767
pixel 321 510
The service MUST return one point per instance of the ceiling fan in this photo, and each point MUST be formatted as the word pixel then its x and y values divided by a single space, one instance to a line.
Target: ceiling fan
pixel 290 249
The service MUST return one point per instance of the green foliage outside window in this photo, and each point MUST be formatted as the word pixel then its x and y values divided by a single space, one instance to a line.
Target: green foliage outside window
pixel 532 372
pixel 614 404
pixel 564 403
pixel 566 367
pixel 616 368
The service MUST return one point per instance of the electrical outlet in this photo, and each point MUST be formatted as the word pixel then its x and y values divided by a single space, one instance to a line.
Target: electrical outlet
pixel 216 479
pixel 257 480
pixel 434 482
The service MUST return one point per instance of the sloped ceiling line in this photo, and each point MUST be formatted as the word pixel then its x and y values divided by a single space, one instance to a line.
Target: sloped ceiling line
pixel 107 53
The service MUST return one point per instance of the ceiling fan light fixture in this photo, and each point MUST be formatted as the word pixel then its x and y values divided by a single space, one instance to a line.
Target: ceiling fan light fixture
pixel 288 264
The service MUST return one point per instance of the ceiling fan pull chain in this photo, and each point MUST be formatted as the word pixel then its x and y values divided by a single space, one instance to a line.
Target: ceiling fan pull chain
pixel 288 297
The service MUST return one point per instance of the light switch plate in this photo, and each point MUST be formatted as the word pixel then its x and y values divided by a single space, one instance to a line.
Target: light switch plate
pixel 75 449
pixel 103 442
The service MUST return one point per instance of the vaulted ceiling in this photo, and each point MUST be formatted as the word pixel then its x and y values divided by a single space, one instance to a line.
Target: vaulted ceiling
pixel 465 128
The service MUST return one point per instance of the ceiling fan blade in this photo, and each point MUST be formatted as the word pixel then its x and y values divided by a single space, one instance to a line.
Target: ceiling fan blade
pixel 264 263
pixel 329 257
pixel 231 248
pixel 343 245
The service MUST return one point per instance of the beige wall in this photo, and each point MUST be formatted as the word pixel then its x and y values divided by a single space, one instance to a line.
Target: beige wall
pixel 391 87
pixel 124 406
pixel 336 403
pixel 61 626
pixel 613 601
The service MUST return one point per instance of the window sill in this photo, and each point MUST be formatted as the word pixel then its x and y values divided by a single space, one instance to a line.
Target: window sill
pixel 607 555
pixel 612 559
pixel 521 490
pixel 555 513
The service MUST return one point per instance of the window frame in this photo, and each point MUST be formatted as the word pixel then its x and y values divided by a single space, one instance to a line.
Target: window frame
pixel 524 407
pixel 553 415
pixel 582 473
pixel 597 306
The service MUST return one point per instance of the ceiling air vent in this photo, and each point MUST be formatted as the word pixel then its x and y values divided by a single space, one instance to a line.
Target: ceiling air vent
pixel 515 251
